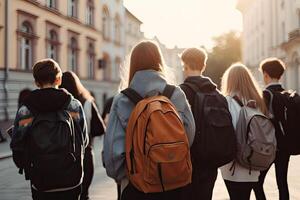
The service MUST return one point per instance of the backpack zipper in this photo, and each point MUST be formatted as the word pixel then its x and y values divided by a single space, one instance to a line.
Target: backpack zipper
pixel 160 176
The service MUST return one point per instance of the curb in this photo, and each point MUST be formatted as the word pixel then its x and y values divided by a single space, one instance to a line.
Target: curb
pixel 5 155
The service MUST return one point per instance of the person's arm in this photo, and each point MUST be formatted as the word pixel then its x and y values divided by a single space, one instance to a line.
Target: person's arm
pixel 114 146
pixel 185 114
pixel 82 122
pixel 97 124
pixel 22 124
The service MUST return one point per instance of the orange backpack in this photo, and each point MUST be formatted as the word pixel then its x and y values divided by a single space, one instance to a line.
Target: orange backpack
pixel 157 148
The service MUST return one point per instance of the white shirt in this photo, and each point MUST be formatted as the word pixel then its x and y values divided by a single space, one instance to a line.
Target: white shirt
pixel 240 174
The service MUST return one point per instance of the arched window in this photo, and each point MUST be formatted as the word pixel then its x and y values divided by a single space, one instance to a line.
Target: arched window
pixel 53 44
pixel 117 30
pixel 90 13
pixel 73 49
pixel 91 61
pixel 107 69
pixel 72 8
pixel 26 46
pixel 106 23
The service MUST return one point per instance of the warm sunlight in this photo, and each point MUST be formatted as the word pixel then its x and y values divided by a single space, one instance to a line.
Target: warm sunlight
pixel 186 23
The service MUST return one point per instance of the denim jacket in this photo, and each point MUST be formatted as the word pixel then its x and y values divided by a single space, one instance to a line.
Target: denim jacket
pixel 143 82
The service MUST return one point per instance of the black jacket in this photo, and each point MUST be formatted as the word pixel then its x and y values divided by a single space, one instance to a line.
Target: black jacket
pixel 278 110
pixel 204 83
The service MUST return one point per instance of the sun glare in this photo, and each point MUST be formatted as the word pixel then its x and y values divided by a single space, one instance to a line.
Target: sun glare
pixel 186 23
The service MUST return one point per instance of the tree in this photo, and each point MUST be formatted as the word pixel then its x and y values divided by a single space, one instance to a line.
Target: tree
pixel 227 50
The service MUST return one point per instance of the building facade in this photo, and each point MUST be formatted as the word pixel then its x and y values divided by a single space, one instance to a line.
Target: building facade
pixel 133 32
pixel 271 29
pixel 113 28
pixel 69 31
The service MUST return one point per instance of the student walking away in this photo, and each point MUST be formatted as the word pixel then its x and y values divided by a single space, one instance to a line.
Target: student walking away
pixel 50 136
pixel 215 142
pixel 152 160
pixel 284 108
pixel 95 125
pixel 256 142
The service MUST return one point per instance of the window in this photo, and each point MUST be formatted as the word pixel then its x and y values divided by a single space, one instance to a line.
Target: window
pixel 107 69
pixel 52 46
pixel 26 46
pixel 298 18
pixel 283 31
pixel 91 61
pixel 116 69
pixel 106 23
pixel 117 30
pixel 72 8
pixel 73 52
pixel 51 3
pixel 90 13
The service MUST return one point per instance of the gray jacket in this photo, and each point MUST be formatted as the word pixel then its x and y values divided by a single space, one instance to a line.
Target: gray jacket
pixel 143 82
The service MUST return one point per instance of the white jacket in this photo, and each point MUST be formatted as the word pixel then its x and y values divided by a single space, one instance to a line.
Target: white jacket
pixel 240 173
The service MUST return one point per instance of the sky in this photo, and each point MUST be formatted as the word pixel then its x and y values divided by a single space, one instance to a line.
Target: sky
pixel 186 23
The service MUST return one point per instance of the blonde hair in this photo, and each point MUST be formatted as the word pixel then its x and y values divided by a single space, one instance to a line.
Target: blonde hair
pixel 195 58
pixel 238 80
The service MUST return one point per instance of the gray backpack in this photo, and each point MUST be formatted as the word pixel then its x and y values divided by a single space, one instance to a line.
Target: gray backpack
pixel 256 139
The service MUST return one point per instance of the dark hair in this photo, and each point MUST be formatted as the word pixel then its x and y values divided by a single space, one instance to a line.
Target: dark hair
pixel 273 67
pixel 22 96
pixel 145 55
pixel 46 71
pixel 71 82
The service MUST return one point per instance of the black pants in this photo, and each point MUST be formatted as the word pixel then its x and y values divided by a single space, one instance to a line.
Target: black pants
pixel 239 190
pixel 281 169
pixel 203 182
pixel 131 193
pixel 73 194
pixel 88 168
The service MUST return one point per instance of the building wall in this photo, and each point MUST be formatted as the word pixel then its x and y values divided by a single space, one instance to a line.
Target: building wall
pixel 111 48
pixel 266 27
pixel 42 18
pixel 133 32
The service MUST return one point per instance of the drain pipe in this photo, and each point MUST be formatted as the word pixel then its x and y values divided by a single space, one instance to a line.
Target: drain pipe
pixel 6 73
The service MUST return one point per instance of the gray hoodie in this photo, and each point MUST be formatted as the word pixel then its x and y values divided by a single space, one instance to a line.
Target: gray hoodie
pixel 143 82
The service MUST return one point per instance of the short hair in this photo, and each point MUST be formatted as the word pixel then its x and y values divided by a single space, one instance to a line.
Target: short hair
pixel 274 67
pixel 46 71
pixel 195 58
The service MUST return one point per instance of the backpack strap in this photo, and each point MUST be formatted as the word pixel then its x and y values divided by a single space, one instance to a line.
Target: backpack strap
pixel 132 95
pixel 270 107
pixel 237 99
pixel 168 91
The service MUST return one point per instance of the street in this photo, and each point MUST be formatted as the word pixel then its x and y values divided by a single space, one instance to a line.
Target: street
pixel 14 187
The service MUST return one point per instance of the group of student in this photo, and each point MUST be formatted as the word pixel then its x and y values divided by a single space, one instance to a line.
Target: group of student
pixel 162 141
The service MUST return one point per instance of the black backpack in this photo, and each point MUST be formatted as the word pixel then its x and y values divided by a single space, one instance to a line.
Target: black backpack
pixel 54 151
pixel 288 119
pixel 215 141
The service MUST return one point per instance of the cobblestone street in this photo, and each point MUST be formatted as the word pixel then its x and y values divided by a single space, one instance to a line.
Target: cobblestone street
pixel 14 187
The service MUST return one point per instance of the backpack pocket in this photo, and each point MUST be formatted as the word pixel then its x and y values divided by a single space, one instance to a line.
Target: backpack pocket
pixel 261 155
pixel 57 171
pixel 167 163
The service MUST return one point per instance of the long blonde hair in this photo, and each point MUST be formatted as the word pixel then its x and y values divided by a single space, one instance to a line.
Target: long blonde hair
pixel 238 80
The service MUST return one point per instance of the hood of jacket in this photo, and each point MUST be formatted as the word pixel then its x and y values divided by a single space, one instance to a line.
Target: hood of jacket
pixel 204 83
pixel 48 100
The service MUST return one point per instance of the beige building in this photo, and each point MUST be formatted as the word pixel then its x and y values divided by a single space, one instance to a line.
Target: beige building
pixel 69 31
pixel 133 32
pixel 271 28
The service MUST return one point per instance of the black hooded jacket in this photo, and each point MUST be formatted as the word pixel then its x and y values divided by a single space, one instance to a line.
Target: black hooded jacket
pixel 41 101
pixel 203 83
